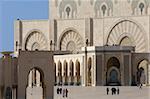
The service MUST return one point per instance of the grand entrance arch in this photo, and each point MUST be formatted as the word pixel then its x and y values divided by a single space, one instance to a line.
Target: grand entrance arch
pixel 35 85
pixel 128 33
pixel 37 73
pixel 113 72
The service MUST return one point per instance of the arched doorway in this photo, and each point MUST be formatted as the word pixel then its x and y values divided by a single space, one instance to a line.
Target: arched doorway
pixel 35 85
pixel 113 72
pixel 143 72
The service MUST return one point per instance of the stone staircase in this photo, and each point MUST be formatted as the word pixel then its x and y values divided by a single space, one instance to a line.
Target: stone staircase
pixel 99 92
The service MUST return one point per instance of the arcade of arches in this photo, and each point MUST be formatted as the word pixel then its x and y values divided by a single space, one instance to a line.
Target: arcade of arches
pixel 117 68
pixel 68 73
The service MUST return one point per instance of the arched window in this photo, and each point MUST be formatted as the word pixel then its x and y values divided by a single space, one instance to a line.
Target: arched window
pixel 141 6
pixel 68 10
pixel 103 8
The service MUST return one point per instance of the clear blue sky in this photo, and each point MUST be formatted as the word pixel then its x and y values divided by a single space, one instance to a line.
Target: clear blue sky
pixel 10 10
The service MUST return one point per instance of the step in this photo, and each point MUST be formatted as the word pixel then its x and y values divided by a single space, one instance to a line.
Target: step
pixel 99 92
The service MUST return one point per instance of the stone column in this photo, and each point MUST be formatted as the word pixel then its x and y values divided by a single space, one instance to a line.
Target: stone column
pixel 38 83
pixel 14 91
pixel 30 79
pixel 83 71
pixel 94 72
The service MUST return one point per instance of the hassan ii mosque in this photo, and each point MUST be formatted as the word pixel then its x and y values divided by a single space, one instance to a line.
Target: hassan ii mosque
pixel 83 43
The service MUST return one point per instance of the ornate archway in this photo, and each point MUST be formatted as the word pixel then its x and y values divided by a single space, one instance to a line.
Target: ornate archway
pixel 113 72
pixel 113 76
pixel 35 84
pixel 36 41
pixel 71 41
pixel 128 33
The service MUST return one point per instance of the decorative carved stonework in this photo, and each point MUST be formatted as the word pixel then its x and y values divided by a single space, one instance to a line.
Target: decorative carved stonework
pixel 36 41
pixel 127 29
pixel 67 4
pixel 71 41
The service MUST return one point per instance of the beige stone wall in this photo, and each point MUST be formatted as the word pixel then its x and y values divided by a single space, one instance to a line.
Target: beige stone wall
pixel 65 25
pixel 96 30
pixel 141 21
pixel 43 61
pixel 87 8
pixel 24 28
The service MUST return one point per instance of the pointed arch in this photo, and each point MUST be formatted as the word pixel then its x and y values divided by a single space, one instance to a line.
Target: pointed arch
pixel 103 6
pixel 140 7
pixel 35 40
pixel 70 40
pixel 64 4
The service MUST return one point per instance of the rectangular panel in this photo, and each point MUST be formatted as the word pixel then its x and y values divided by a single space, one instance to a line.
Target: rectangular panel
pixel 126 70
pixel 99 70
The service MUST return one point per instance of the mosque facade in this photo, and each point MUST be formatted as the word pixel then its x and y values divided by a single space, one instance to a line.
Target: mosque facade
pixel 83 43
